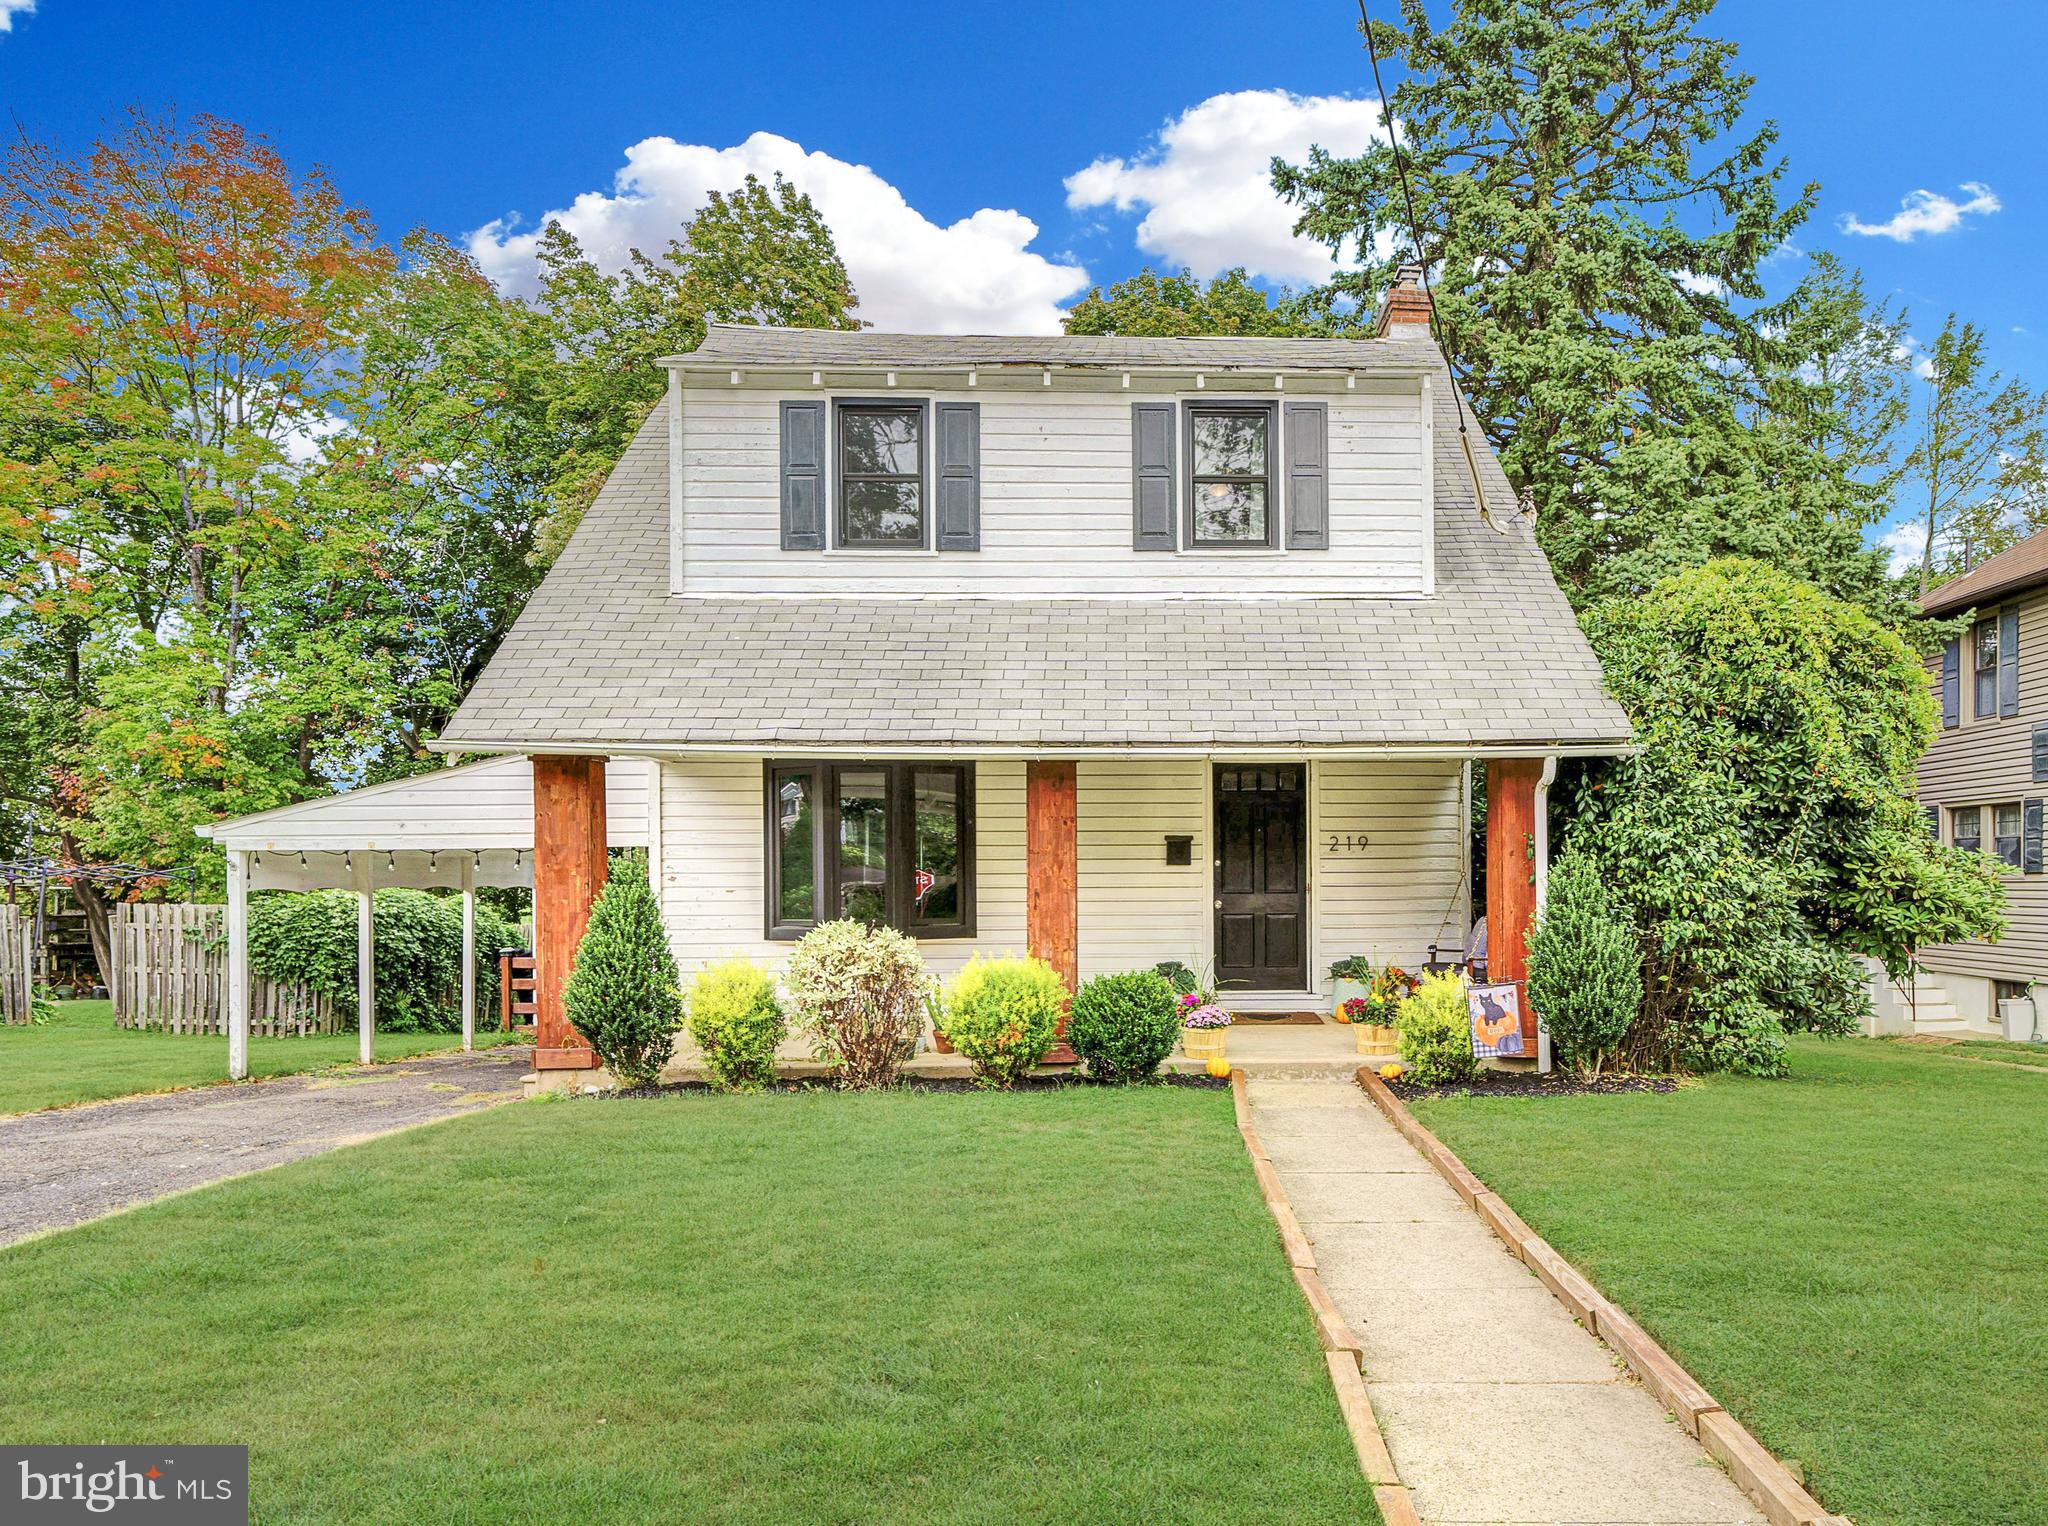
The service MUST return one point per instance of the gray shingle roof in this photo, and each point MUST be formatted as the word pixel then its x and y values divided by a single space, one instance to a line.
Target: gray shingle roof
pixel 604 656
pixel 742 345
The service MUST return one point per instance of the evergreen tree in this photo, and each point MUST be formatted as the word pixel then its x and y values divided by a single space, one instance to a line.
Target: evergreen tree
pixel 624 994
pixel 1585 967
pixel 1595 215
pixel 1167 306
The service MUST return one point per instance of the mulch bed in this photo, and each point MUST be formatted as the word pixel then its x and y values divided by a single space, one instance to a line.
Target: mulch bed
pixel 1045 1083
pixel 1526 1083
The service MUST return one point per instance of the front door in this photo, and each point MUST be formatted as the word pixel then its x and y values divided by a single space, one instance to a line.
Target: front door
pixel 1261 877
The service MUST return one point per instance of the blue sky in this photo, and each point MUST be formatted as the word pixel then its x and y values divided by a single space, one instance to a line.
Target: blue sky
pixel 952 145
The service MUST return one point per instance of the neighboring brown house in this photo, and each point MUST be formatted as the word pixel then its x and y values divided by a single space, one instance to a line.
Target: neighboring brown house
pixel 1984 780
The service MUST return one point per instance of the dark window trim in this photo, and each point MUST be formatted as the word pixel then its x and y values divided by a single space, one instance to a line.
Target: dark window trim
pixel 1190 407
pixel 901 786
pixel 922 408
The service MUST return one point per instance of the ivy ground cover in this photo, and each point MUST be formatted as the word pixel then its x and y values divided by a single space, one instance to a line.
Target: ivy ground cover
pixel 1850 1258
pixel 1063 1306
pixel 80 1056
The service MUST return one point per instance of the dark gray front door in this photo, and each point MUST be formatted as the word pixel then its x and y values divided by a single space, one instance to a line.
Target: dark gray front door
pixel 1261 877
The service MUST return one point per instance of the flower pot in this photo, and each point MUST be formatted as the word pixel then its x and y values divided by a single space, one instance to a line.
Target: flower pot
pixel 2016 1019
pixel 1342 991
pixel 1203 1043
pixel 940 1043
pixel 1377 1041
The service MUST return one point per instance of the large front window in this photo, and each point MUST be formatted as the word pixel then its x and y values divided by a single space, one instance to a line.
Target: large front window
pixel 1231 501
pixel 881 475
pixel 888 843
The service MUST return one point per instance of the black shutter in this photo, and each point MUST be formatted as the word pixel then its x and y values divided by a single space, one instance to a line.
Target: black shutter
pixel 1933 813
pixel 1952 684
pixel 803 476
pixel 2009 662
pixel 1152 476
pixel 959 475
pixel 1308 476
pixel 2030 836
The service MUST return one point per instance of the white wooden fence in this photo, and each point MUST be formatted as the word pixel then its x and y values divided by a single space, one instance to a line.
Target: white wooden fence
pixel 16 955
pixel 171 972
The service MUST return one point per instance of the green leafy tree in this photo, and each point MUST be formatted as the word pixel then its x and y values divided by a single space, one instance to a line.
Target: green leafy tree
pixel 1979 457
pixel 1596 212
pixel 1585 966
pixel 624 994
pixel 759 255
pixel 1766 834
pixel 1167 306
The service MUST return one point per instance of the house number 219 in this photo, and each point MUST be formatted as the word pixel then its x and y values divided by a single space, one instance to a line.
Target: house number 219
pixel 1348 842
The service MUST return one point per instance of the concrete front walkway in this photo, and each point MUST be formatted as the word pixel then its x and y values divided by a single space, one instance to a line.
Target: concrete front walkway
pixel 1497 1406
pixel 71 1164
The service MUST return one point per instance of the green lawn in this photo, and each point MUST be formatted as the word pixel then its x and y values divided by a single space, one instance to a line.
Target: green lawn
pixel 811 1307
pixel 1854 1260
pixel 2016 1052
pixel 80 1056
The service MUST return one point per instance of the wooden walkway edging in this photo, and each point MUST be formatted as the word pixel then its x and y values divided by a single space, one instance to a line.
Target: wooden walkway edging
pixel 1782 1498
pixel 1342 1354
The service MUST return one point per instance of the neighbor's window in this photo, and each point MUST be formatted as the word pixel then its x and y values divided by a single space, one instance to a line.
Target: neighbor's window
pixel 888 843
pixel 1231 501
pixel 1966 826
pixel 1984 643
pixel 881 474
pixel 2005 833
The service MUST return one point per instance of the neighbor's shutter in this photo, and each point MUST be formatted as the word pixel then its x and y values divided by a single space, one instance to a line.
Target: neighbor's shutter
pixel 2030 836
pixel 803 476
pixel 1952 684
pixel 1933 820
pixel 1308 476
pixel 2039 757
pixel 1152 476
pixel 2009 662
pixel 959 456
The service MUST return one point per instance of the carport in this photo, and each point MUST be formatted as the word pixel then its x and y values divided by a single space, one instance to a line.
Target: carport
pixel 455 829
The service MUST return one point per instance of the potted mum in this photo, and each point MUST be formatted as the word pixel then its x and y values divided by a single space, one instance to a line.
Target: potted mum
pixel 1374 1027
pixel 1208 1025
pixel 1350 977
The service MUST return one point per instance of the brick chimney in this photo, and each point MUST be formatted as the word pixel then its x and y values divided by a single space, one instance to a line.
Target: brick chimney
pixel 1406 302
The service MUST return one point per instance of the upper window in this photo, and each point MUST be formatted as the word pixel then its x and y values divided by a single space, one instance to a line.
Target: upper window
pixel 881 475
pixel 1984 644
pixel 2005 833
pixel 1232 499
pixel 1966 826
pixel 888 843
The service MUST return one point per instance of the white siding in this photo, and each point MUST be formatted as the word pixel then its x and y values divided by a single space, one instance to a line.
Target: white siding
pixel 1391 900
pixel 1055 505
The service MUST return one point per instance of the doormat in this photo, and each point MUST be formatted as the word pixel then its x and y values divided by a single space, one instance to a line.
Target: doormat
pixel 1281 1019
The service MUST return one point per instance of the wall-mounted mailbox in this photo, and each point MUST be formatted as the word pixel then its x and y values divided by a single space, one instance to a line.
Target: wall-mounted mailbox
pixel 1180 850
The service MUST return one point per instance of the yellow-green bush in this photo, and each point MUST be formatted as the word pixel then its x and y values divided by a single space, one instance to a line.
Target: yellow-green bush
pixel 737 1021
pixel 1435 1028
pixel 1003 1015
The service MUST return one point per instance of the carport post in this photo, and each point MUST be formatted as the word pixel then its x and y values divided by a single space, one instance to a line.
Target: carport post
pixel 238 964
pixel 468 953
pixel 366 966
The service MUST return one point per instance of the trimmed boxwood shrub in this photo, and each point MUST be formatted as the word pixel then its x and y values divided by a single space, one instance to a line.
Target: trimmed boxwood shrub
pixel 737 1021
pixel 1435 1027
pixel 622 993
pixel 1124 1026
pixel 1003 1015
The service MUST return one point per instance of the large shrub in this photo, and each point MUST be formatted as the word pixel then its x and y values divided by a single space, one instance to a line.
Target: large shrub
pixel 309 939
pixel 737 1021
pixel 1766 834
pixel 858 994
pixel 1124 1026
pixel 1003 1015
pixel 623 992
pixel 1585 967
pixel 1435 1032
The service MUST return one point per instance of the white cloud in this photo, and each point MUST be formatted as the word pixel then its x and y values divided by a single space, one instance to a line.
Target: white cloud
pixel 1906 542
pixel 1701 285
pixel 975 275
pixel 1927 212
pixel 9 9
pixel 1206 186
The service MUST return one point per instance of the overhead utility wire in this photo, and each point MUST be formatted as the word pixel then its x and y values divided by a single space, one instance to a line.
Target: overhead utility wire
pixel 1422 265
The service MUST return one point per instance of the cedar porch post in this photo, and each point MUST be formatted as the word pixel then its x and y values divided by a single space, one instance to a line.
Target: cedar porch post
pixel 568 872
pixel 1051 916
pixel 1511 875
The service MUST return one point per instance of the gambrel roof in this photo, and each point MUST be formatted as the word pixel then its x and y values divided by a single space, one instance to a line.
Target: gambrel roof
pixel 605 658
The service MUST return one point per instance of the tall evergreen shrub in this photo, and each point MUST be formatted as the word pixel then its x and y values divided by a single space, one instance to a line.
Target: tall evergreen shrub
pixel 1585 967
pixel 624 994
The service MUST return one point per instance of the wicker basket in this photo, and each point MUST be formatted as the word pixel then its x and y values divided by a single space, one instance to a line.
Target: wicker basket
pixel 1203 1043
pixel 1377 1041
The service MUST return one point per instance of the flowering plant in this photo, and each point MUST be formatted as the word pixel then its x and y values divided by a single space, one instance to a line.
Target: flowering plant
pixel 1359 1010
pixel 1391 985
pixel 1210 1016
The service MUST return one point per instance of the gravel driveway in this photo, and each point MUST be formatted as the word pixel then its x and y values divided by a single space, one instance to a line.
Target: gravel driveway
pixel 63 1167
